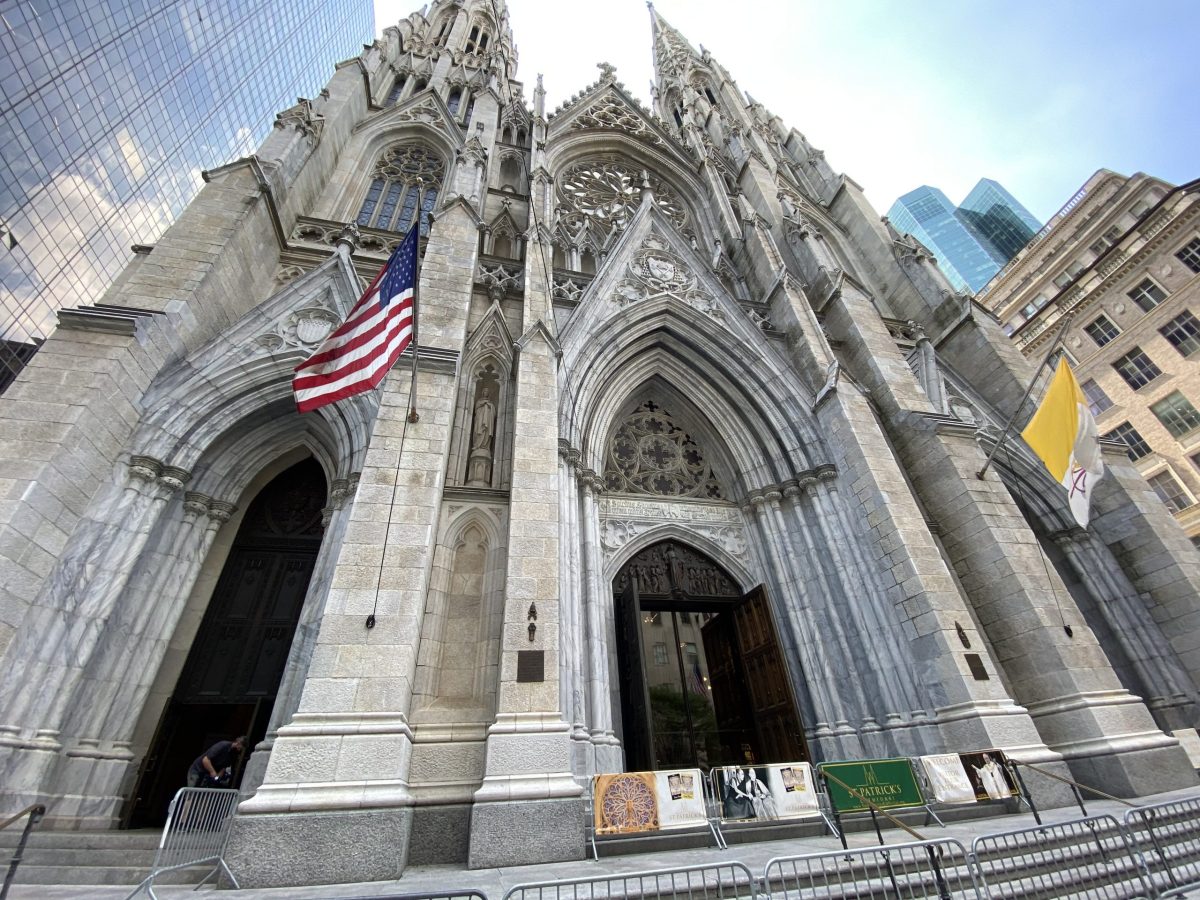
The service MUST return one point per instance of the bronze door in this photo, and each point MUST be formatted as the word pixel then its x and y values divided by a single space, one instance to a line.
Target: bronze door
pixel 237 659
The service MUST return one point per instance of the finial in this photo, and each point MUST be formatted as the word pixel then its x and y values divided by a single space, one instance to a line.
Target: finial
pixel 608 72
pixel 647 191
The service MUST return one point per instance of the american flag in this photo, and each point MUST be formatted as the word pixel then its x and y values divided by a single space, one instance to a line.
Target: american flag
pixel 358 355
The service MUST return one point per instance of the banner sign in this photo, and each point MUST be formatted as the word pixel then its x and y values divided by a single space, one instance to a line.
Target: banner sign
pixel 780 791
pixel 947 779
pixel 989 775
pixel 647 801
pixel 888 783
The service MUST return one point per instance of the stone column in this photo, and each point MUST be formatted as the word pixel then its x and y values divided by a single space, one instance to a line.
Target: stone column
pixel 813 683
pixel 58 637
pixel 1168 691
pixel 528 787
pixel 98 769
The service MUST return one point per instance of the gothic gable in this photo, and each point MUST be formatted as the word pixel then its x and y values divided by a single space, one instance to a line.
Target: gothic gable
pixel 423 108
pixel 606 106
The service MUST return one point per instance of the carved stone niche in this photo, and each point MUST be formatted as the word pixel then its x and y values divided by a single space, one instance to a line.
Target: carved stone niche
pixel 671 569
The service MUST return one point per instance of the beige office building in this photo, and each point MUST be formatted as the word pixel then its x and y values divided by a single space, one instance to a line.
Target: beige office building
pixel 1122 258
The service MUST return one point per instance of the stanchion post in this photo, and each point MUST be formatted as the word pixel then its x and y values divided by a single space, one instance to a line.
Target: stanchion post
pixel 1016 770
pixel 841 830
pixel 875 822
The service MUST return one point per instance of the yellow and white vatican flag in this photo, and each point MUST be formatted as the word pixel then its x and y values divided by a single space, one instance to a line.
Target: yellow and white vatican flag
pixel 1063 434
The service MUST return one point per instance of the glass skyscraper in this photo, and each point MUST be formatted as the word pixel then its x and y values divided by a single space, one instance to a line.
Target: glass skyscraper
pixel 973 241
pixel 110 110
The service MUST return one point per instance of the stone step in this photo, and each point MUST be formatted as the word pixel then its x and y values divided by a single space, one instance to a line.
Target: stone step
pixel 143 839
pixel 63 856
pixel 102 875
pixel 90 857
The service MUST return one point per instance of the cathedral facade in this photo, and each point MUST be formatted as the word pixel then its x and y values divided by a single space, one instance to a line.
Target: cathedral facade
pixel 693 481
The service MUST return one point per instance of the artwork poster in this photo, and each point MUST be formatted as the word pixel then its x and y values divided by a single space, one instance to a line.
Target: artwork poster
pixel 947 779
pixel 989 775
pixel 680 797
pixel 625 803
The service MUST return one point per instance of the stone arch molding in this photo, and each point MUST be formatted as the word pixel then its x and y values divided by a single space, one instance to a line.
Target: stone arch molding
pixel 623 538
pixel 655 311
pixel 240 381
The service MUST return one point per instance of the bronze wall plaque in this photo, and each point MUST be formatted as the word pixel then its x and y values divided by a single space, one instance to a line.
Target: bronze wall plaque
pixel 531 665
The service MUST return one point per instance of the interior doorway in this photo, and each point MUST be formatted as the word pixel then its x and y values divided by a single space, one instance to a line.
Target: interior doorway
pixel 227 686
pixel 702 676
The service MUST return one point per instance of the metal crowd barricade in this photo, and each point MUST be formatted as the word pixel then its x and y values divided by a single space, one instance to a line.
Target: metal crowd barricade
pixel 1168 835
pixel 719 881
pixel 1090 857
pixel 933 869
pixel 197 829
pixel 428 895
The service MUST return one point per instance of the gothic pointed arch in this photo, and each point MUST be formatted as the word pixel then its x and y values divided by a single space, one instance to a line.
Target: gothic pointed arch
pixel 656 312
pixel 481 446
pixel 242 379
pixel 458 657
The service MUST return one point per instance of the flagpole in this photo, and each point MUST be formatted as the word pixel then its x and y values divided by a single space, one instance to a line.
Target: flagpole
pixel 1029 390
pixel 416 349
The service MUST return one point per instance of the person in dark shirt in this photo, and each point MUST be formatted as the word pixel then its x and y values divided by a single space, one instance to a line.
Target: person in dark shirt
pixel 209 765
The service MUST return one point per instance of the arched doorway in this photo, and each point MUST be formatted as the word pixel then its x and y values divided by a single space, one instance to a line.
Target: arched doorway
pixel 233 670
pixel 702 675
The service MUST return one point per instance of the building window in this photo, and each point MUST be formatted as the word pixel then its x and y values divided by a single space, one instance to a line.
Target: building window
pixel 1098 401
pixel 1101 330
pixel 397 90
pixel 1137 368
pixel 1062 280
pixel 1183 333
pixel 660 654
pixel 1177 414
pixel 1137 445
pixel 1147 295
pixel 407 178
pixel 1189 254
pixel 1170 491
pixel 1033 306
pixel 454 101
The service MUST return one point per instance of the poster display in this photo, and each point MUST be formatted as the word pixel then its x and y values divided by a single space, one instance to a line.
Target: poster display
pixel 781 791
pixel 989 775
pixel 630 802
pixel 947 779
pixel 888 783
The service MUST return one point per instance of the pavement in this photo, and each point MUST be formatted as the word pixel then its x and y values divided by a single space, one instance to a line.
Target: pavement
pixel 495 882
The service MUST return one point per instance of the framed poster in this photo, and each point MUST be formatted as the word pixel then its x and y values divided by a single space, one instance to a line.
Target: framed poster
pixel 632 802
pixel 888 783
pixel 680 797
pixel 794 789
pixel 989 775
pixel 625 803
pixel 947 779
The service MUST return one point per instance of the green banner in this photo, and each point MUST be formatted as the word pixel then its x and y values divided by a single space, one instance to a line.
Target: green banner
pixel 888 783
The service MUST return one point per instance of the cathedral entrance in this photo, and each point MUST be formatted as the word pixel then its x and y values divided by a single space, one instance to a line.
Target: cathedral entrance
pixel 228 684
pixel 702 676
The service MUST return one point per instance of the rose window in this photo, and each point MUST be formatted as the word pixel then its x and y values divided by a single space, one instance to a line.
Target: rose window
pixel 601 193
pixel 650 454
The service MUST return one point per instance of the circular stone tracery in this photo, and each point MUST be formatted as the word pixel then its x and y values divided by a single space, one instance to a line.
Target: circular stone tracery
pixel 606 191
pixel 411 164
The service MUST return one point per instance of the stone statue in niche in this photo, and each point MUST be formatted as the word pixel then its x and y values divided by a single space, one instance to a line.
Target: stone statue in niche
pixel 483 430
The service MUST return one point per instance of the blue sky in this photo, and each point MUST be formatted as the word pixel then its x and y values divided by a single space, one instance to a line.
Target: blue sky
pixel 1037 95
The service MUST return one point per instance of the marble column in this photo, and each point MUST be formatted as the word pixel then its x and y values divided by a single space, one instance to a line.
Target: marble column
pixel 98 767
pixel 1170 695
pixel 56 641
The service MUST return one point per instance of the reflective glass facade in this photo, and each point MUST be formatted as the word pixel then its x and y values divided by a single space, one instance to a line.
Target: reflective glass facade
pixel 110 110
pixel 973 241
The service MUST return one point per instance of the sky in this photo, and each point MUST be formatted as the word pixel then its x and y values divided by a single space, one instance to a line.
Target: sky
pixel 1037 94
